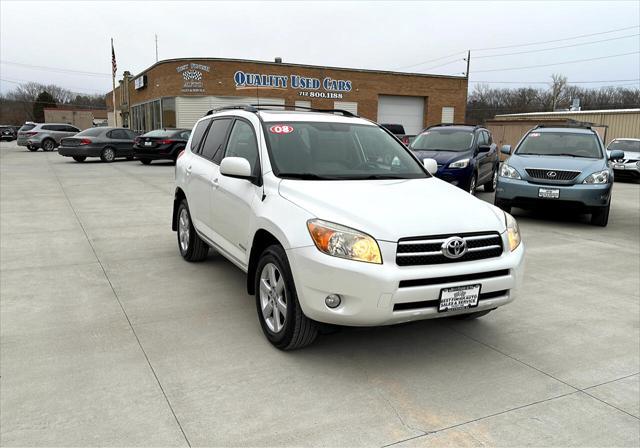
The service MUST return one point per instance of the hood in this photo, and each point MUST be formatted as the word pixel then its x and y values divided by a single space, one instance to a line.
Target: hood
pixel 392 209
pixel 629 155
pixel 442 157
pixel 584 165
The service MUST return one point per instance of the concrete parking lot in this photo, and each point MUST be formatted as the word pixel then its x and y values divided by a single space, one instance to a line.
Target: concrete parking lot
pixel 109 338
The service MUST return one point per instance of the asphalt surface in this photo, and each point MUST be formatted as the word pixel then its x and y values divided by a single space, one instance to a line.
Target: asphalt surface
pixel 109 338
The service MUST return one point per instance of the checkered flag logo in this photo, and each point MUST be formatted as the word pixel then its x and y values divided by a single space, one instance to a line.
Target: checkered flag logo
pixel 192 75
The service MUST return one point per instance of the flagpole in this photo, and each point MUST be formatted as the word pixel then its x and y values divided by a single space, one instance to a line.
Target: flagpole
pixel 113 79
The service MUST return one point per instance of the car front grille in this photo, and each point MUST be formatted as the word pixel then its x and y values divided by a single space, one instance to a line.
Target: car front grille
pixel 552 174
pixel 425 250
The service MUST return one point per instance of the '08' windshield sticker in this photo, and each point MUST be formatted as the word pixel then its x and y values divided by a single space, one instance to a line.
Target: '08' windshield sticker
pixel 534 134
pixel 281 129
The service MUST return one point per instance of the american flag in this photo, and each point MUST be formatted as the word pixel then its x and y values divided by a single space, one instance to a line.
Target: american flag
pixel 114 66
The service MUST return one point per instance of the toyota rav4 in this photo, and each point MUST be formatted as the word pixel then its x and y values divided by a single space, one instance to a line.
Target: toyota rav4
pixel 335 221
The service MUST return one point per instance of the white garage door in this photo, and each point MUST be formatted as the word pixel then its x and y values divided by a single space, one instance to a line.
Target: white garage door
pixel 405 110
pixel 349 106
pixel 190 109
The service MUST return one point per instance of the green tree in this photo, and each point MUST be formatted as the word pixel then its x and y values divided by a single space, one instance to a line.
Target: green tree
pixel 43 100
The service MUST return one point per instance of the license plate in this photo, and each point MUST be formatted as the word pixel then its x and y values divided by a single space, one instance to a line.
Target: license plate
pixel 148 143
pixel 618 166
pixel 458 298
pixel 549 193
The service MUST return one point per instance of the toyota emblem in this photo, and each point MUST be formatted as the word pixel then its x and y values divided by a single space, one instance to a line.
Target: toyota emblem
pixel 551 174
pixel 454 247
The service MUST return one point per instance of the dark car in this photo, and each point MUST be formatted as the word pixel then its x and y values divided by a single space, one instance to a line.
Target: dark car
pixel 160 144
pixel 466 155
pixel 8 133
pixel 104 142
pixel 398 131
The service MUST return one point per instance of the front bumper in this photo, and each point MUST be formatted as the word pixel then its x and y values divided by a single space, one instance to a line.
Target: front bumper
pixel 627 169
pixel 460 177
pixel 71 151
pixel 524 193
pixel 372 294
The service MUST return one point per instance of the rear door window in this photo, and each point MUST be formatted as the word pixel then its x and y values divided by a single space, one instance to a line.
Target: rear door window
pixel 198 134
pixel 215 139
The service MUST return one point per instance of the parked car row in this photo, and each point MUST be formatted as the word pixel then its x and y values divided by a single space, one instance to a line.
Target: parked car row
pixel 8 133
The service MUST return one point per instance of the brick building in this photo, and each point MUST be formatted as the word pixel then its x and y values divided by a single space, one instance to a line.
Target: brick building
pixel 177 92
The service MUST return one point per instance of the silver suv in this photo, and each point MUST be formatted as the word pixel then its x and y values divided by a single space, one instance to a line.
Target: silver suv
pixel 44 135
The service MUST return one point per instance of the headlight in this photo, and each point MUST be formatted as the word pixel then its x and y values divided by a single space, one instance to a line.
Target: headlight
pixel 459 163
pixel 507 171
pixel 344 242
pixel 600 177
pixel 513 232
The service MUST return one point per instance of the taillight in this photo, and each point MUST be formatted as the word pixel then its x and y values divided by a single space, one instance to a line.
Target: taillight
pixel 31 134
pixel 166 142
pixel 180 154
pixel 405 140
pixel 137 140
pixel 85 141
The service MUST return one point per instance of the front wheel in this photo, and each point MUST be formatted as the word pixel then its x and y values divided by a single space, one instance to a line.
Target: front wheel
pixel 108 155
pixel 79 158
pixel 600 216
pixel 191 246
pixel 473 184
pixel 145 161
pixel 493 183
pixel 281 317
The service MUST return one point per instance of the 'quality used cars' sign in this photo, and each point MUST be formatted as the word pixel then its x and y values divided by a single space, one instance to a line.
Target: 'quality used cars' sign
pixel 311 87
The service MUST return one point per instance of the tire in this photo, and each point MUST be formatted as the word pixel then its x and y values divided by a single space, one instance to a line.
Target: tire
pixel 48 145
pixel 296 330
pixel 79 158
pixel 471 316
pixel 145 161
pixel 108 154
pixel 600 216
pixel 503 205
pixel 491 185
pixel 32 149
pixel 473 184
pixel 130 158
pixel 191 246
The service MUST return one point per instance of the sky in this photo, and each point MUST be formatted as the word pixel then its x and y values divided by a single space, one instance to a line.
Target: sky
pixel 68 37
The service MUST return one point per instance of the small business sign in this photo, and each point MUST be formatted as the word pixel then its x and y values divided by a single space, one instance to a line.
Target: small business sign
pixel 308 87
pixel 140 82
pixel 193 75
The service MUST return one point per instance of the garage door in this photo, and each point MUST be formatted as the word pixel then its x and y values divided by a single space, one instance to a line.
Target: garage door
pixel 191 109
pixel 405 110
pixel 349 106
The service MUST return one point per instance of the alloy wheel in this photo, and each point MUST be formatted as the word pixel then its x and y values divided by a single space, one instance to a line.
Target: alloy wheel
pixel 273 300
pixel 495 179
pixel 472 186
pixel 48 145
pixel 184 228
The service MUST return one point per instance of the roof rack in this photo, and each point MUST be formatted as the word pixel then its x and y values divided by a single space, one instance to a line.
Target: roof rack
pixel 576 124
pixel 258 107
pixel 453 124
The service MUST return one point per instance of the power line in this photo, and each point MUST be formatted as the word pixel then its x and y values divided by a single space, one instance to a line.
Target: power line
pixel 556 63
pixel 548 82
pixel 55 69
pixel 555 40
pixel 430 60
pixel 555 48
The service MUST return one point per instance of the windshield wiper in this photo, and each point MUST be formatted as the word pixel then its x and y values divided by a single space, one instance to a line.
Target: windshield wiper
pixel 379 176
pixel 305 176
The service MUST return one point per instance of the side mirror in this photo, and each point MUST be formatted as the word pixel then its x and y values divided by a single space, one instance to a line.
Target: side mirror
pixel 484 148
pixel 431 165
pixel 506 149
pixel 238 167
pixel 616 154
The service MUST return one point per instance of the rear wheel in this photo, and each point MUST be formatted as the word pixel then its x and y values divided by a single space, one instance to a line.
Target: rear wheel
pixel 79 158
pixel 48 145
pixel 491 185
pixel 191 246
pixel 281 317
pixel 600 216
pixel 108 154
pixel 503 205
pixel 145 161
pixel 32 148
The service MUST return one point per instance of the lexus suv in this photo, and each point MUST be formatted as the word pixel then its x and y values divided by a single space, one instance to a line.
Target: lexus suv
pixel 335 221
pixel 565 167
pixel 466 155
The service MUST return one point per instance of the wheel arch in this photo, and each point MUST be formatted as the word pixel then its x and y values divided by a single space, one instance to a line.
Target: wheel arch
pixel 177 199
pixel 261 240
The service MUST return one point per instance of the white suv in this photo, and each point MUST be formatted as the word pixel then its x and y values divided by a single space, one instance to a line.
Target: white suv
pixel 335 221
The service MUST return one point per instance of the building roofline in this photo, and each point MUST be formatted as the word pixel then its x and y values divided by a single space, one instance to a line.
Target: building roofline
pixel 281 64
pixel 572 112
pixel 75 109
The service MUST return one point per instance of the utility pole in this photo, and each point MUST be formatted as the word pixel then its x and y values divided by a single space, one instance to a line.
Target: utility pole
pixel 468 62
pixel 156 48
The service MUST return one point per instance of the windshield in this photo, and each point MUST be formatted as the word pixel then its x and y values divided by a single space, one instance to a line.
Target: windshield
pixel 625 145
pixel 443 140
pixel 91 132
pixel 330 151
pixel 560 144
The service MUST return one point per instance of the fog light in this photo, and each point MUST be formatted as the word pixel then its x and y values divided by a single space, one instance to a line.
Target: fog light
pixel 332 300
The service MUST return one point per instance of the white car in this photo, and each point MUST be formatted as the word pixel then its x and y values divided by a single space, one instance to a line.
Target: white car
pixel 629 164
pixel 335 221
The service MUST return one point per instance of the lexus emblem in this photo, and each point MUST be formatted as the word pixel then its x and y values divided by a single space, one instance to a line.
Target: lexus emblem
pixel 551 174
pixel 454 247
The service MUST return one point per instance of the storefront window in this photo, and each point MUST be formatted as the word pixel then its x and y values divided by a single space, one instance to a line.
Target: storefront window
pixel 148 116
pixel 168 112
